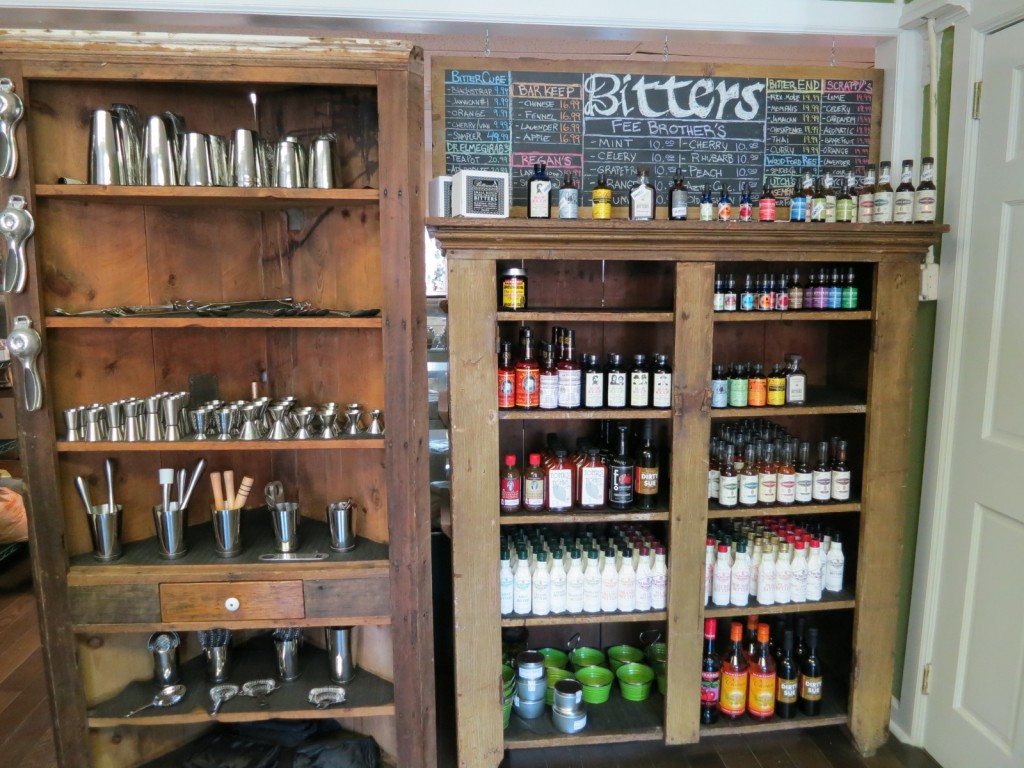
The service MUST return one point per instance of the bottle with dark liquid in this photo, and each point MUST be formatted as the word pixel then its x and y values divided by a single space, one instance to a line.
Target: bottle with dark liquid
pixel 903 200
pixel 617 382
pixel 645 483
pixel 810 677
pixel 620 473
pixel 787 679
pixel 732 702
pixel 506 377
pixel 710 676
pixel 926 195
pixel 678 200
pixel 539 194
pixel 746 204
pixel 731 298
pixel 766 205
pixel 639 383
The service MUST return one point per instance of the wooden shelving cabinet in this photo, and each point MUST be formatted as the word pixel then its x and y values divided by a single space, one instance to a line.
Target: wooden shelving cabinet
pixel 647 286
pixel 358 246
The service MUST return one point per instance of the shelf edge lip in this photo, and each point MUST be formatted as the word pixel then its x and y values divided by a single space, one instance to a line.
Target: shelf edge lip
pixel 183 195
pixel 582 618
pixel 585 314
pixel 776 724
pixel 189 718
pixel 837 604
pixel 99 575
pixel 59 322
pixel 795 315
pixel 195 626
pixel 788 410
pixel 583 739
pixel 214 445
pixel 584 413
pixel 602 516
pixel 790 509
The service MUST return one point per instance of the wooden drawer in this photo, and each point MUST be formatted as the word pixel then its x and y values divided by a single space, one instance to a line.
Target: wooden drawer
pixel 226 601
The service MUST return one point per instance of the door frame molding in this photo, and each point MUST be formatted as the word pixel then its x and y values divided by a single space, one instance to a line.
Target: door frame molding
pixel 985 17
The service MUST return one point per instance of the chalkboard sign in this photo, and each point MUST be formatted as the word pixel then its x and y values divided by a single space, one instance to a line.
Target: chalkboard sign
pixel 715 126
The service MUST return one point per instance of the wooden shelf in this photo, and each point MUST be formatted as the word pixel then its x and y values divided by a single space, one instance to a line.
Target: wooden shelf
pixel 235 197
pixel 583 315
pixel 820 402
pixel 614 722
pixel 716 511
pixel 796 315
pixel 570 619
pixel 579 516
pixel 56 322
pixel 833 712
pixel 830 601
pixel 536 414
pixel 211 445
pixel 366 696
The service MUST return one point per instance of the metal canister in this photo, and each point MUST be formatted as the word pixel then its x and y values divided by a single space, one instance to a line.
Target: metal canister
pixel 513 289
pixel 531 683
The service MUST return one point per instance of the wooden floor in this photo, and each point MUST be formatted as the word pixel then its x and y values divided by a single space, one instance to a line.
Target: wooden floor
pixel 26 739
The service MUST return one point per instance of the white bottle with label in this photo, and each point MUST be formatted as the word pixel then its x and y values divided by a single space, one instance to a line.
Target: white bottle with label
pixel 834 567
pixel 541 586
pixel 659 581
pixel 574 584
pixel 755 565
pixel 783 576
pixel 796 381
pixel 798 574
pixel 644 581
pixel 814 572
pixel 592 584
pixel 609 583
pixel 505 580
pixel 739 587
pixel 721 582
pixel 627 583
pixel 522 586
pixel 559 582
pixel 766 578
pixel 709 569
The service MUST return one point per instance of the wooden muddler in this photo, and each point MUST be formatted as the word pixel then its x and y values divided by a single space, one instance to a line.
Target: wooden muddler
pixel 243 492
pixel 218 494
pixel 229 488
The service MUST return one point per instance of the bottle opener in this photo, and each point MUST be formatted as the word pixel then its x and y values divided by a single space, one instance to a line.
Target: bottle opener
pixel 24 343
pixel 16 226
pixel 11 111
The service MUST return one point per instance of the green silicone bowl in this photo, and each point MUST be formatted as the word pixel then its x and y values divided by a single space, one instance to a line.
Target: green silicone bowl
pixel 662 684
pixel 554 658
pixel 657 657
pixel 635 681
pixel 508 680
pixel 596 682
pixel 586 657
pixel 506 712
pixel 623 654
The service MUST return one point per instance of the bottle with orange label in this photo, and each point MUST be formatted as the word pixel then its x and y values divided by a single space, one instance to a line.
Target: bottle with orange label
pixel 527 374
pixel 761 696
pixel 732 703
pixel 757 386
pixel 506 377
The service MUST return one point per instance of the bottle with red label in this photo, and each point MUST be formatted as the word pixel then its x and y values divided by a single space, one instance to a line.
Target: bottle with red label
pixel 766 205
pixel 761 696
pixel 710 676
pixel 620 474
pixel 732 702
pixel 527 374
pixel 506 377
pixel 511 485
pixel 547 378
pixel 534 485
pixel 559 482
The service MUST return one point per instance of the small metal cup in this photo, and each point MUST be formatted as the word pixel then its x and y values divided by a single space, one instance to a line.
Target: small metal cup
pixel 286 525
pixel 160 162
pixel 128 129
pixel 197 160
pixel 218 149
pixel 321 162
pixel 164 647
pixel 339 520
pixel 218 662
pixel 287 653
pixel 104 162
pixel 289 164
pixel 227 529
pixel 105 528
pixel 171 525
pixel 244 171
pixel 339 654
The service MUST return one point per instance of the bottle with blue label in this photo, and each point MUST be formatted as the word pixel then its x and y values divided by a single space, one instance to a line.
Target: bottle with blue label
pixel 798 204
pixel 568 199
pixel 719 387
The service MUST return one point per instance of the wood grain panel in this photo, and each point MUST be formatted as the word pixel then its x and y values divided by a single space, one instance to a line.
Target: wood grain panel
pixel 342 599
pixel 204 601
pixel 121 604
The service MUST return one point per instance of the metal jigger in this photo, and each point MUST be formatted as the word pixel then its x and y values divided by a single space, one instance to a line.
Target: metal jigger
pixel 280 429
pixel 250 429
pixel 328 415
pixel 134 423
pixel 262 423
pixel 224 417
pixel 115 421
pixel 376 422
pixel 93 424
pixel 154 427
pixel 73 421
pixel 303 418
pixel 200 422
pixel 172 406
pixel 354 412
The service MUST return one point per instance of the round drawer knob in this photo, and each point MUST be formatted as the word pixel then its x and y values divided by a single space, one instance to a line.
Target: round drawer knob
pixel 232 604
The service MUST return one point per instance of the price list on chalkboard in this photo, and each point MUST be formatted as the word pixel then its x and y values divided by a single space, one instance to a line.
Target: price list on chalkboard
pixel 714 131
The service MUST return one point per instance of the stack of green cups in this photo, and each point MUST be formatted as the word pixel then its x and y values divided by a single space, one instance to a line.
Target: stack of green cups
pixel 623 654
pixel 508 681
pixel 635 681
pixel 657 657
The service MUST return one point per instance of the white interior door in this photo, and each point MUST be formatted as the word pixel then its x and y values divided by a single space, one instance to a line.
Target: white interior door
pixel 976 704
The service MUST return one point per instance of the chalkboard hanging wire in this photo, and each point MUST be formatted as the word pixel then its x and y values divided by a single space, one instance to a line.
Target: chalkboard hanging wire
pixel 664 51
pixel 833 51
pixel 487 42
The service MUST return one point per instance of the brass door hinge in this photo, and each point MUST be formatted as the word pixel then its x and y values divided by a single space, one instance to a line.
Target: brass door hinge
pixel 926 679
pixel 976 102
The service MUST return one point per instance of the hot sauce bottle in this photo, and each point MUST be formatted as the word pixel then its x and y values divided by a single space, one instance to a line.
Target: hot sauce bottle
pixel 534 485
pixel 559 483
pixel 710 676
pixel 511 488
pixel 733 700
pixel 761 700
pixel 547 378
pixel 569 374
pixel 506 377
pixel 527 374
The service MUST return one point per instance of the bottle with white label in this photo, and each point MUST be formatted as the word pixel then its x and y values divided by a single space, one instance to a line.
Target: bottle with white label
pixel 609 583
pixel 539 193
pixel 721 580
pixel 767 477
pixel 559 483
pixel 593 383
pixel 661 382
pixel 728 478
pixel 639 383
pixel 709 568
pixel 796 381
pixel 627 583
pixel 903 199
pixel 616 394
pixel 641 198
pixel 834 566
pixel 804 475
pixel 748 478
pixel 568 199
pixel 644 580
pixel 766 577
pixel 593 484
pixel 783 575
pixel 659 581
pixel 786 485
pixel 559 581
pixel 822 475
pixel 814 572
pixel 541 586
pixel 865 198
pixel 755 565
pixel 592 584
pixel 569 374
pixel 505 580
pixel 798 574
pixel 739 586
pixel 522 585
pixel 926 195
pixel 840 474
pixel 678 200
pixel 881 211
pixel 574 584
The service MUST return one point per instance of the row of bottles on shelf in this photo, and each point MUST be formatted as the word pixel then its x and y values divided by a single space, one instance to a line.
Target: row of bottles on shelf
pixel 543 571
pixel 758 462
pixel 746 384
pixel 828 289
pixel 559 378
pixel 773 561
pixel 621 471
pixel 854 198
pixel 761 674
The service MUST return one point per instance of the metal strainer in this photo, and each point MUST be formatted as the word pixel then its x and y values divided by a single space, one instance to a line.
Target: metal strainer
pixel 328 696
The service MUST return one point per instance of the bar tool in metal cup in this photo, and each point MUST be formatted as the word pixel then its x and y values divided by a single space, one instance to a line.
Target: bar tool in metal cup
pixel 219 171
pixel 159 155
pixel 289 162
pixel 322 154
pixel 128 131
pixel 287 642
pixel 339 520
pixel 171 522
pixel 104 159
pixel 376 422
pixel 12 109
pixel 216 645
pixel 339 654
pixel 197 160
pixel 164 647
pixel 16 227
pixel 227 525
pixel 24 345
pixel 244 150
